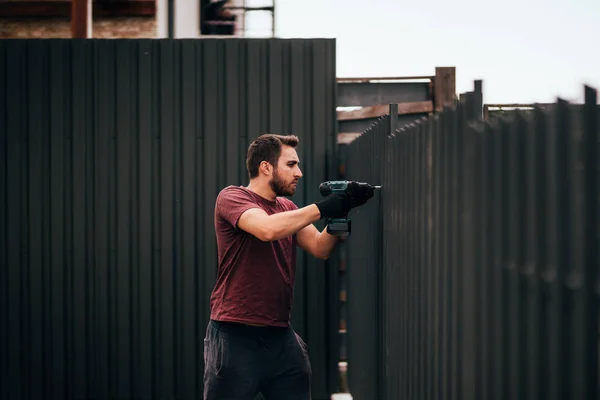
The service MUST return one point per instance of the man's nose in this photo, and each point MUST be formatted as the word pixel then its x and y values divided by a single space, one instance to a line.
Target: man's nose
pixel 298 173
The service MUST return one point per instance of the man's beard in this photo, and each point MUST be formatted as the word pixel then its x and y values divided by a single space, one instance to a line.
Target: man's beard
pixel 279 187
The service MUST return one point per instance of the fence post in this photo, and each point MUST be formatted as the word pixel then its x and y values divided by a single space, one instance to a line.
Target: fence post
pixel 393 118
pixel 444 87
pixel 472 102
pixel 477 100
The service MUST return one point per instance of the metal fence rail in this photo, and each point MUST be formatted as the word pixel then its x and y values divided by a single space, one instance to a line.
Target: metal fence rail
pixel 473 273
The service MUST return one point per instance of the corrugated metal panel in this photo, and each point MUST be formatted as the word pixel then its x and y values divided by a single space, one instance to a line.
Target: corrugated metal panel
pixel 112 155
pixel 477 266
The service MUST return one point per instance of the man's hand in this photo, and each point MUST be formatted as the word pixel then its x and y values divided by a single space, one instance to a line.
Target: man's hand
pixel 335 205
pixel 359 194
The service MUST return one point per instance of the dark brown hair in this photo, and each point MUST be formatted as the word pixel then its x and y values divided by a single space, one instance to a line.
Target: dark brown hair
pixel 267 147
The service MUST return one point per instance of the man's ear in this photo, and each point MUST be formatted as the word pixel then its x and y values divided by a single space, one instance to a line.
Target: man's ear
pixel 266 168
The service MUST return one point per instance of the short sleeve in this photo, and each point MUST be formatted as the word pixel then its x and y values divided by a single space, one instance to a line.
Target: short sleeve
pixel 288 204
pixel 232 202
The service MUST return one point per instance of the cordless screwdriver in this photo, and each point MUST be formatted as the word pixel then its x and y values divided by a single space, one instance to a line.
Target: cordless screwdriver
pixel 341 226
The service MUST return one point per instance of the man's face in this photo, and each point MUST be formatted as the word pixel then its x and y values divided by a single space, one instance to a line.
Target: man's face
pixel 287 173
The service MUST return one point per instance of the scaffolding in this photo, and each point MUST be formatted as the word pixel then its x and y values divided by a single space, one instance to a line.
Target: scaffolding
pixel 235 17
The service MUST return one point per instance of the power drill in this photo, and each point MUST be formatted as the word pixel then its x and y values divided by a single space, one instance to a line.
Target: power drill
pixel 339 226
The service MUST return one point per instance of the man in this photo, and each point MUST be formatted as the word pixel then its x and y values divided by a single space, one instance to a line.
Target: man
pixel 250 346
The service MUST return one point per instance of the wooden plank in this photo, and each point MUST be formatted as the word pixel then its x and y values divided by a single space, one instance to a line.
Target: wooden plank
pixel 415 107
pixel 62 9
pixel 81 19
pixel 444 87
pixel 384 79
pixel 519 105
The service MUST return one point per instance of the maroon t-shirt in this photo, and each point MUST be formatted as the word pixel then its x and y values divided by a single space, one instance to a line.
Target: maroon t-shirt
pixel 255 279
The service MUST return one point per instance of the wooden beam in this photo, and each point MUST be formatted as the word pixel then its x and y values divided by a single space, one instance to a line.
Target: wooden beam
pixel 81 19
pixel 416 107
pixel 444 87
pixel 62 9
pixel 519 105
pixel 384 79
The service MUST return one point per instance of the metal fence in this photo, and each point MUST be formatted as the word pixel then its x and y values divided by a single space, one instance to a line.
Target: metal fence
pixel 111 155
pixel 473 273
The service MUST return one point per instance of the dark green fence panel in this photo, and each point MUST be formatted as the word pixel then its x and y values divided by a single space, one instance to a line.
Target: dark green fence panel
pixel 477 266
pixel 111 155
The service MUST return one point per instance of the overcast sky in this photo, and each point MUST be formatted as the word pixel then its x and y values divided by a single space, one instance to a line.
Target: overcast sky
pixel 523 50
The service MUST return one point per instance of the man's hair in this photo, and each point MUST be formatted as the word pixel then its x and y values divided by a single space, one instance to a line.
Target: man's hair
pixel 267 147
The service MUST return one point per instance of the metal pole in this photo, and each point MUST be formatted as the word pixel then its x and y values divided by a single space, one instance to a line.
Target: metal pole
pixel 170 18
pixel 273 19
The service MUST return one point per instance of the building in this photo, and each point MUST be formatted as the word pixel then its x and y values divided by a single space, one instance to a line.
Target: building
pixel 136 19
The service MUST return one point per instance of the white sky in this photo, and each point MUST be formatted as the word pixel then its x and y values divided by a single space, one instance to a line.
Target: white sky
pixel 524 51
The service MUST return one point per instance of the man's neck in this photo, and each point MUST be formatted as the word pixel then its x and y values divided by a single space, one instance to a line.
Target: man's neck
pixel 262 189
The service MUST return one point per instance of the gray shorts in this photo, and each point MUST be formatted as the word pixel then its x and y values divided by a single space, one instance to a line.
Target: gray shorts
pixel 241 361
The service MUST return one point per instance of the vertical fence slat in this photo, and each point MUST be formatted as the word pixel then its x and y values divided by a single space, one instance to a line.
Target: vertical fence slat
pixel 104 126
pixel 4 98
pixel 587 360
pixel 531 299
pixel 297 119
pixel 210 156
pixel 123 183
pixel 394 272
pixel 479 235
pixel 514 171
pixel 411 298
pixel 15 180
pixel 421 265
pixel 443 265
pixel 428 254
pixel 145 314
pixel 59 125
pixel 403 372
pixel 190 320
pixel 38 120
pixel 541 383
pixel 525 267
pixel 487 263
pixel 314 143
pixel 467 260
pixel 232 105
pixel 436 256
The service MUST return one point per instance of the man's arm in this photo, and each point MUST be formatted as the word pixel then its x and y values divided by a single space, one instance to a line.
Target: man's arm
pixel 318 244
pixel 277 226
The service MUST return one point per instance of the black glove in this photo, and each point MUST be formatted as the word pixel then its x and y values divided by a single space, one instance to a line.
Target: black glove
pixel 335 205
pixel 359 193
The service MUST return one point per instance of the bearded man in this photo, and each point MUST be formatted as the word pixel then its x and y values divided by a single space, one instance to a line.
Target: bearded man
pixel 250 346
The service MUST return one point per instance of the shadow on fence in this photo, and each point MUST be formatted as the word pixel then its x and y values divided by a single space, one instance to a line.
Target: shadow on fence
pixel 473 273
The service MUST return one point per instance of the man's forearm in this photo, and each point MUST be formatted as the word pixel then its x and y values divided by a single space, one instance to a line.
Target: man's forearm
pixel 326 243
pixel 284 224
